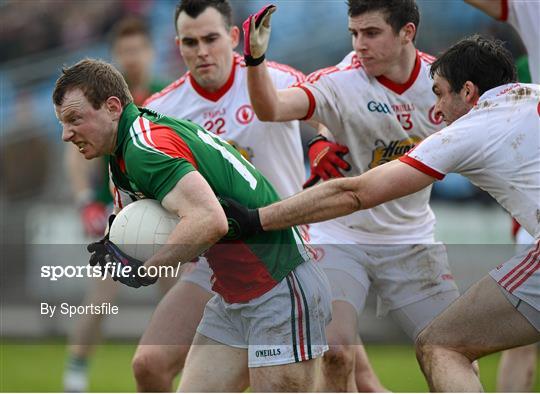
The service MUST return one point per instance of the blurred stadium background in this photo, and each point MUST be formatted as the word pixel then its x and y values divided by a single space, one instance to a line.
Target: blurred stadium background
pixel 37 211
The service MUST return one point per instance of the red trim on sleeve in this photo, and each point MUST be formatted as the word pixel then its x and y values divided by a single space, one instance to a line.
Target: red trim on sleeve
pixel 426 57
pixel 215 96
pixel 421 167
pixel 402 88
pixel 311 99
pixel 169 142
pixel 504 10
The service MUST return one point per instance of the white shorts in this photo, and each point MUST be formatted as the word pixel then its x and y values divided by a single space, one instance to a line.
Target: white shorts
pixel 524 240
pixel 199 273
pixel 520 276
pixel 399 274
pixel 283 326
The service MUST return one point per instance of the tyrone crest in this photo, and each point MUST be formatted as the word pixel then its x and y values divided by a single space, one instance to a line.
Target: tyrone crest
pixel 245 114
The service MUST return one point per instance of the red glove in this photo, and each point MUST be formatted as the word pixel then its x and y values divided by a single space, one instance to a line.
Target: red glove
pixel 325 158
pixel 94 218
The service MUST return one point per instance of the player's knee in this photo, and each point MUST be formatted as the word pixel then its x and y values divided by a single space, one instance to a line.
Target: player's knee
pixel 339 359
pixel 147 369
pixel 424 347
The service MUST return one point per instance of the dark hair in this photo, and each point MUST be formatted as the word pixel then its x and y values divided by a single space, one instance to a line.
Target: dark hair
pixel 129 26
pixel 196 7
pixel 397 12
pixel 483 61
pixel 97 79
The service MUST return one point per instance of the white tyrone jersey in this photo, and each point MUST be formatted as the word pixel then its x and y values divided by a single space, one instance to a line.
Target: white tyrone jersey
pixel 378 121
pixel 524 16
pixel 497 146
pixel 274 148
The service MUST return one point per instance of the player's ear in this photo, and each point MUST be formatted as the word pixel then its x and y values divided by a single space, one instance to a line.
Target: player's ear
pixel 470 92
pixel 177 41
pixel 114 107
pixel 407 33
pixel 234 33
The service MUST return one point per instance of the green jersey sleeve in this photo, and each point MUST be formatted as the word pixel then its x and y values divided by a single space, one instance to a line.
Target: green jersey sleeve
pixel 157 159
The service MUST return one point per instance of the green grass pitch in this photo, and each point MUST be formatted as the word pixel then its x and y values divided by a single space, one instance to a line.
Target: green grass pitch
pixel 39 367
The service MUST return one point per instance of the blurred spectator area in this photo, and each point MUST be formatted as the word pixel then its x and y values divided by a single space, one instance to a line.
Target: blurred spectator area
pixel 39 36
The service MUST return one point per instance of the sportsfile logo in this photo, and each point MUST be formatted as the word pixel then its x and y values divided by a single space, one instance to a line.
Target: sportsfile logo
pixel 388 151
pixel 374 106
pixel 111 269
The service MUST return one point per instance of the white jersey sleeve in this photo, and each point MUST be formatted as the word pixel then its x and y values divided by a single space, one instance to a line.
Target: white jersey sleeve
pixel 524 16
pixel 447 151
pixel 497 146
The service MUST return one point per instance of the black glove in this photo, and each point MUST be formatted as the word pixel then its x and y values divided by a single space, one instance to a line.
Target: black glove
pixel 111 258
pixel 98 249
pixel 243 222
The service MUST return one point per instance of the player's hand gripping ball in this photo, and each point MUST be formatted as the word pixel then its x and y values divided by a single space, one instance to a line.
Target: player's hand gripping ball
pixel 109 257
pixel 257 35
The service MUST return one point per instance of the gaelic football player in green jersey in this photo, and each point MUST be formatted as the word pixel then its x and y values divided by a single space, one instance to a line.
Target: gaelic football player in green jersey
pixel 132 50
pixel 272 302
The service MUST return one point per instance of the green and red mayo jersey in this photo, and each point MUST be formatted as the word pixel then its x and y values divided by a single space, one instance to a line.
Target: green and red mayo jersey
pixel 154 152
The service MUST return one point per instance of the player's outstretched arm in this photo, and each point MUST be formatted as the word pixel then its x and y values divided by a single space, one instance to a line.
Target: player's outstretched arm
pixel 268 103
pixel 343 196
pixel 491 7
pixel 202 221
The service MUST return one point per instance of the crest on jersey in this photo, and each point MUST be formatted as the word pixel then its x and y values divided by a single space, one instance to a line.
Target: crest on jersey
pixel 391 150
pixel 433 118
pixel 245 114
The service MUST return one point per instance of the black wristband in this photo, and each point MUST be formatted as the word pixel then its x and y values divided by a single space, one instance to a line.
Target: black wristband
pixel 255 221
pixel 252 62
pixel 317 138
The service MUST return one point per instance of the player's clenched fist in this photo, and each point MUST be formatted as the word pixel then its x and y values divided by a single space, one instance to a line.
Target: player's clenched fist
pixel 325 157
pixel 257 34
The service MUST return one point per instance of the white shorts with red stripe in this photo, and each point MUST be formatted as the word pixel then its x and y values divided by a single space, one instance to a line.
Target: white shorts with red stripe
pixel 283 326
pixel 520 276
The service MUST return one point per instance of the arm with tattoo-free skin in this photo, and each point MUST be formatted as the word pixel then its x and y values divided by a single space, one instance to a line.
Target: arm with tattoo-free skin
pixel 271 104
pixel 340 197
pixel 202 221
pixel 492 8
pixel 268 103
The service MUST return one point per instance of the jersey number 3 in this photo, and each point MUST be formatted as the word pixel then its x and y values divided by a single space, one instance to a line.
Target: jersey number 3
pixel 405 120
